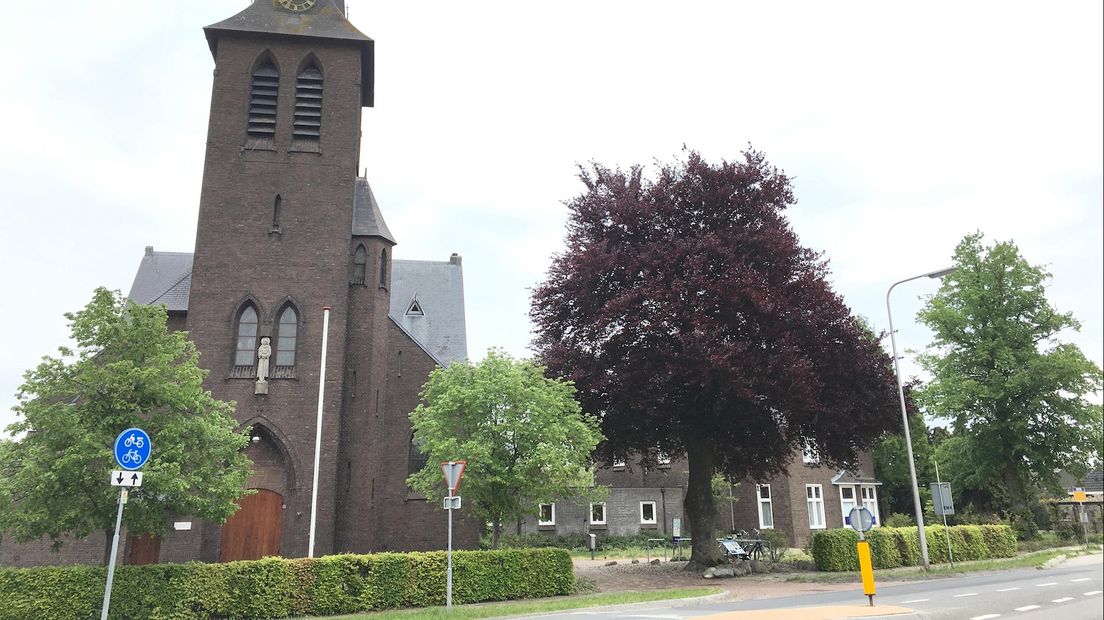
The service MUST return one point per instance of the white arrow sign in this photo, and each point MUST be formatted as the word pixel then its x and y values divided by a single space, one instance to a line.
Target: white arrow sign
pixel 451 503
pixel 126 478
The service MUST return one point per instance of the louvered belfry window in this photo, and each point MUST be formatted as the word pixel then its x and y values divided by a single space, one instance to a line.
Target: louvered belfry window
pixel 262 105
pixel 307 125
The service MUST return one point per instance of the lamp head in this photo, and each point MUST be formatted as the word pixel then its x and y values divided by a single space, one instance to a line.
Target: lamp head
pixel 942 272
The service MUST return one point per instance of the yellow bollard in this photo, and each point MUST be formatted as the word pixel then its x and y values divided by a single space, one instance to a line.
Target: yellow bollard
pixel 866 569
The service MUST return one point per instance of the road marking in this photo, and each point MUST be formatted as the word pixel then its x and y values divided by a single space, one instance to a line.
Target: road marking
pixel 655 616
pixel 986 617
pixel 1092 593
pixel 1007 589
pixel 916 600
pixel 967 594
pixel 1063 599
pixel 1026 608
pixel 1049 583
pixel 1081 579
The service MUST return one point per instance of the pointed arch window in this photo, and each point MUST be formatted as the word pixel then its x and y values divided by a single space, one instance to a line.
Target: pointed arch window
pixel 416 461
pixel 245 353
pixel 307 122
pixel 360 262
pixel 262 105
pixel 287 328
pixel 383 268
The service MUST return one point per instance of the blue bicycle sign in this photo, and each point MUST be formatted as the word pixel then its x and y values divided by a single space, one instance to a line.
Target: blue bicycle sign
pixel 132 448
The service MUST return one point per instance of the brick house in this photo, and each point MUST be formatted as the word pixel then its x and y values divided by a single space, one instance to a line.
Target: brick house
pixel 809 497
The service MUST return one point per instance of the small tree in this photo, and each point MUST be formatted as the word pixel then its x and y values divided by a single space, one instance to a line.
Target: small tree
pixel 127 370
pixel 1015 392
pixel 523 435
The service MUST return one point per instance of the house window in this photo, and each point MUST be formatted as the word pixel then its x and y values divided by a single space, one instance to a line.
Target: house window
pixel 766 511
pixel 847 501
pixel 307 122
pixel 870 500
pixel 547 514
pixel 814 498
pixel 383 268
pixel 663 459
pixel 647 513
pixel 416 460
pixel 277 206
pixel 598 514
pixel 287 327
pixel 360 260
pixel 246 348
pixel 261 126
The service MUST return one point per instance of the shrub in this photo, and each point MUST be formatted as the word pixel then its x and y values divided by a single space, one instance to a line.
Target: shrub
pixel 778 543
pixel 898 519
pixel 278 588
pixel 834 550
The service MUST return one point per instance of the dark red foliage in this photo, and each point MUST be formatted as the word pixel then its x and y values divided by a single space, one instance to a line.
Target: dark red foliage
pixel 686 311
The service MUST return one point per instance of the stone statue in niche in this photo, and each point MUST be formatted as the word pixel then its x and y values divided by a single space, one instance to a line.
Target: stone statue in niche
pixel 264 352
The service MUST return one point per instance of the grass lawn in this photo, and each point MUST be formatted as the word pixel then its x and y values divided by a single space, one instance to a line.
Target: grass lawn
pixel 518 608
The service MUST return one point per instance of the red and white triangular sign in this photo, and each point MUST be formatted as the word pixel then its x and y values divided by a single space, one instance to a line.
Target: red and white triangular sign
pixel 453 470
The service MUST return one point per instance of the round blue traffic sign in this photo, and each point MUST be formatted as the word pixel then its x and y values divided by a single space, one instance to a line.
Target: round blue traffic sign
pixel 132 448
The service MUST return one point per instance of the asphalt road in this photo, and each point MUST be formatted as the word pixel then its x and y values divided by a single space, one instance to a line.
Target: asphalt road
pixel 1070 591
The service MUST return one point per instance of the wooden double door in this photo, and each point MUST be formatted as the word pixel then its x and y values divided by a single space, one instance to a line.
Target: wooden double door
pixel 254 531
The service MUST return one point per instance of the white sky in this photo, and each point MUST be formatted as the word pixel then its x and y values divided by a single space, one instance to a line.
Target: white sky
pixel 905 127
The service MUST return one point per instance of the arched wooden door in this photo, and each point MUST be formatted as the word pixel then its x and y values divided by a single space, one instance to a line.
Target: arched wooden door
pixel 254 531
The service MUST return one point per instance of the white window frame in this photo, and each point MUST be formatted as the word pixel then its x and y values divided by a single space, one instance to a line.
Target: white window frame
pixel 655 517
pixel 871 503
pixel 815 502
pixel 540 514
pixel 769 501
pixel 845 509
pixel 591 517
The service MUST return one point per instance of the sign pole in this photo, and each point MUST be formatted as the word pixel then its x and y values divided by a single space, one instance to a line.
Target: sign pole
pixel 114 552
pixel 318 430
pixel 946 530
pixel 448 582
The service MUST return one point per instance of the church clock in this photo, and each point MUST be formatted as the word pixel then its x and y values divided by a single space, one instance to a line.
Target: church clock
pixel 297 5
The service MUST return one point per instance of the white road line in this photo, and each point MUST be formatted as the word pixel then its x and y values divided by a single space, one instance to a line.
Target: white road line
pixel 967 594
pixel 1007 589
pixel 1063 599
pixel 916 600
pixel 1081 579
pixel 1026 608
pixel 1049 583
pixel 1092 592
pixel 986 617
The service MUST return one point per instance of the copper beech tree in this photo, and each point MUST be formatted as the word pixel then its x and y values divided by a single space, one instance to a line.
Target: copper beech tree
pixel 693 323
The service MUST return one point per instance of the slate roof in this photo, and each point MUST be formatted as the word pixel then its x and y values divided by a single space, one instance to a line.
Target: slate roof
pixel 163 278
pixel 438 323
pixel 367 218
pixel 325 20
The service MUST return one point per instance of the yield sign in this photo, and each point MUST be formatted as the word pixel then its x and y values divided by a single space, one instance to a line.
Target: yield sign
pixel 453 470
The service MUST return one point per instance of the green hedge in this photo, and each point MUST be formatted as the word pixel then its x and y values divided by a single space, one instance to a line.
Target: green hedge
pixel 278 588
pixel 890 547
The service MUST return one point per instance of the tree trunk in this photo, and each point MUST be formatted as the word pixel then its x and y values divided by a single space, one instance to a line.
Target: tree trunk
pixel 108 535
pixel 700 509
pixel 496 530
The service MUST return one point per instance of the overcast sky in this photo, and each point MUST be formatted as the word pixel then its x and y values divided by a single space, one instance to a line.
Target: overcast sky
pixel 904 125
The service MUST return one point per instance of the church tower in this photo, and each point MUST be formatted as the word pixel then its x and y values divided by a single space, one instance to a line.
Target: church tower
pixel 276 219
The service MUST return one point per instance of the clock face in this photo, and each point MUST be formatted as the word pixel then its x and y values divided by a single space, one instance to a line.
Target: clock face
pixel 297 5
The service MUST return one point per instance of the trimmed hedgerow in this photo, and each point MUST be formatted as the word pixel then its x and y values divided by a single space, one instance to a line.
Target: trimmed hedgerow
pixel 834 550
pixel 278 588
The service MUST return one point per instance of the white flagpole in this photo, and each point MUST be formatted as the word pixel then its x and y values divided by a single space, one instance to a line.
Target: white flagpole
pixel 318 430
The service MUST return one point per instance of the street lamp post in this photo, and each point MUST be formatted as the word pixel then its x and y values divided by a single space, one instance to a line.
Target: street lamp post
pixel 904 415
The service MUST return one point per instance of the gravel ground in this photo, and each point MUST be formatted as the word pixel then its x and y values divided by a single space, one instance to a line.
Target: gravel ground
pixel 625 576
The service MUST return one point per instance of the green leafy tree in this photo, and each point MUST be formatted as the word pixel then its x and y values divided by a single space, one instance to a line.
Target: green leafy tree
pixel 127 370
pixel 891 463
pixel 524 436
pixel 1014 391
